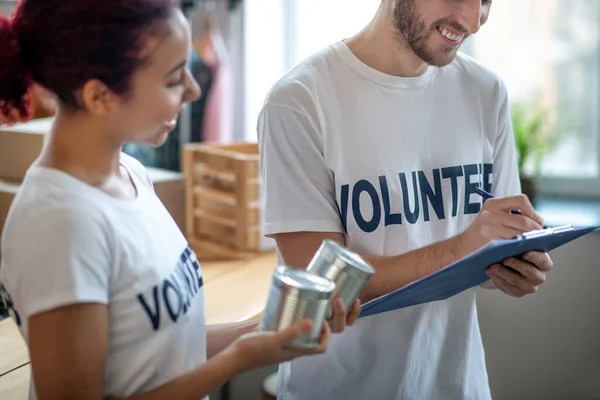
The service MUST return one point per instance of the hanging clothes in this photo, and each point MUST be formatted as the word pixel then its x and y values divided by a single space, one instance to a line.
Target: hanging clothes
pixel 203 74
pixel 218 113
pixel 233 4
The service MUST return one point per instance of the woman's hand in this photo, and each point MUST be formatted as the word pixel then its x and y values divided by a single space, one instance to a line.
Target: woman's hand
pixel 260 349
pixel 249 351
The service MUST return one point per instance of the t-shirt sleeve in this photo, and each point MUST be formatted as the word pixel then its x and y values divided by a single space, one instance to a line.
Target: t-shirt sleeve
pixel 506 174
pixel 56 258
pixel 297 186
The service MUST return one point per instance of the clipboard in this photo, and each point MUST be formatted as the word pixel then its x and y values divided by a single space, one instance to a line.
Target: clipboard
pixel 469 272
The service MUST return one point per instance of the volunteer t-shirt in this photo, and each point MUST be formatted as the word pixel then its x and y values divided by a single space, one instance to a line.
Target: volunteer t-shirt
pixel 66 242
pixel 391 163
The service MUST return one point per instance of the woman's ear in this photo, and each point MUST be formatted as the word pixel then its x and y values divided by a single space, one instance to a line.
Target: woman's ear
pixel 96 97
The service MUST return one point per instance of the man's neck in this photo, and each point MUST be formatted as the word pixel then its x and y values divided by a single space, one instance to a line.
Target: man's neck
pixel 378 46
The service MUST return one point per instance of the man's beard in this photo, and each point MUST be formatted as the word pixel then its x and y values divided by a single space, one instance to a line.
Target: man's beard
pixel 414 33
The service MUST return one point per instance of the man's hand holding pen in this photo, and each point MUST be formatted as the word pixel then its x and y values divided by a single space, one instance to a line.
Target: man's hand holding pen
pixel 498 220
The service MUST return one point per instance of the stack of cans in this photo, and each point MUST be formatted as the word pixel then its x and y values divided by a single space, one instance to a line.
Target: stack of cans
pixel 348 270
pixel 308 294
pixel 296 294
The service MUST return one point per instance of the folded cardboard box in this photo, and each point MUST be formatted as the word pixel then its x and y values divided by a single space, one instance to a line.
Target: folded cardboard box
pixel 8 190
pixel 20 146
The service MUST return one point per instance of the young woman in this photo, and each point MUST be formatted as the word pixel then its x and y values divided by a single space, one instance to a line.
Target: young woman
pixel 100 281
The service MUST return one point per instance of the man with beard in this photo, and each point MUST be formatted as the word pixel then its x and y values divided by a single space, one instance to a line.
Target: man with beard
pixel 378 142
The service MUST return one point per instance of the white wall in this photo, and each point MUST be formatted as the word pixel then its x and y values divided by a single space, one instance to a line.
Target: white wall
pixel 547 346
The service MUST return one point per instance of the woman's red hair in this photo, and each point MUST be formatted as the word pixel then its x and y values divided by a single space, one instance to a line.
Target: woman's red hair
pixel 61 44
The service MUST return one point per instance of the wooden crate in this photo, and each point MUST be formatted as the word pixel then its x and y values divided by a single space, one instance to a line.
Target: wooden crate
pixel 223 209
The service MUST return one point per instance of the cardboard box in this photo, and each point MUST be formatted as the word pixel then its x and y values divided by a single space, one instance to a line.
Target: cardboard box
pixel 20 146
pixel 8 190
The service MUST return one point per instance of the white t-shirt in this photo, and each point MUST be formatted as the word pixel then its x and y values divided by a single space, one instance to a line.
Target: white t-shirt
pixel 391 163
pixel 66 242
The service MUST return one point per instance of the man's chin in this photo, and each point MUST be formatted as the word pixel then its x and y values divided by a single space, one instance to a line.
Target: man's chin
pixel 441 58
pixel 445 61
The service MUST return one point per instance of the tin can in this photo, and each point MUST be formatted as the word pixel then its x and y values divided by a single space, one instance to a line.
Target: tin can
pixel 297 294
pixel 348 270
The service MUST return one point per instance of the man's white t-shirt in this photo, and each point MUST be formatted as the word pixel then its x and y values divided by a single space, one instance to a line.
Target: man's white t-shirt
pixel 66 242
pixel 391 163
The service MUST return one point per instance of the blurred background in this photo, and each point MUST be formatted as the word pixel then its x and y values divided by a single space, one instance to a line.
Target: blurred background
pixel 548 52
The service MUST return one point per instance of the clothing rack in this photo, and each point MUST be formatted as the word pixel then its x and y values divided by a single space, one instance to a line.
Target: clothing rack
pixel 168 156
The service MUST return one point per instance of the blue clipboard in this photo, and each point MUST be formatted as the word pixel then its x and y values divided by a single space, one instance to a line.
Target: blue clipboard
pixel 469 272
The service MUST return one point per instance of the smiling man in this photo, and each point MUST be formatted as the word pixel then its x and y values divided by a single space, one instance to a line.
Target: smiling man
pixel 378 141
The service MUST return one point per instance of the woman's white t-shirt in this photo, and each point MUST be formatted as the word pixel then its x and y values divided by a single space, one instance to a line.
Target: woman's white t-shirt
pixel 66 242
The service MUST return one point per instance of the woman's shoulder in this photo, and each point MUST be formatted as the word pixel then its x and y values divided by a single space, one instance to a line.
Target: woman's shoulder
pixel 47 191
pixel 136 168
pixel 50 201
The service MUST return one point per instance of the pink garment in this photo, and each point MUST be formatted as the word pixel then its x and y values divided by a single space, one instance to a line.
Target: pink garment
pixel 218 114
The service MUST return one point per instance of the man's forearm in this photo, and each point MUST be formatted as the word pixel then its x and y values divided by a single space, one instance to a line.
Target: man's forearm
pixel 391 272
pixel 394 272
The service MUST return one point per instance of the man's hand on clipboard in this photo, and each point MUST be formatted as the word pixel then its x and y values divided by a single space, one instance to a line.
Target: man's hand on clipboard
pixel 519 277
pixel 498 220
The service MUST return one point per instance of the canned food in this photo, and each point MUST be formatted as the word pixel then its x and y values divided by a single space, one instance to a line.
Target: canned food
pixel 348 270
pixel 296 294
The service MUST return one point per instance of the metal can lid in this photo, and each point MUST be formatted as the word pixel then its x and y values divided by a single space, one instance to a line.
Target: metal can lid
pixel 350 257
pixel 304 280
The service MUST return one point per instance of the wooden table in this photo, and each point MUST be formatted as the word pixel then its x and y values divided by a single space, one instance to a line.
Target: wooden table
pixel 14 362
pixel 235 291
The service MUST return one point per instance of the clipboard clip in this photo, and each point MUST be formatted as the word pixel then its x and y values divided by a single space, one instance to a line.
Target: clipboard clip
pixel 545 232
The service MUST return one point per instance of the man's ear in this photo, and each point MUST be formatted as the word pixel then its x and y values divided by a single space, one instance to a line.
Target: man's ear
pixel 485 13
pixel 96 97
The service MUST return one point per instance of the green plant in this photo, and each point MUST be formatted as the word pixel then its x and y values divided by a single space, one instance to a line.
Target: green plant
pixel 533 136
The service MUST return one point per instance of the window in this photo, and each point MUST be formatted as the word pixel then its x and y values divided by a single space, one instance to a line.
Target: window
pixel 321 22
pixel 280 33
pixel 547 52
pixel 264 47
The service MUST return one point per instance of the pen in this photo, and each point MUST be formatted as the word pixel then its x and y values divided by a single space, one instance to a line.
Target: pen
pixel 487 195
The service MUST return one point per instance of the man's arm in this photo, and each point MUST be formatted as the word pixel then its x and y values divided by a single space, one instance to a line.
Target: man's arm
pixel 391 273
